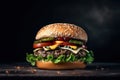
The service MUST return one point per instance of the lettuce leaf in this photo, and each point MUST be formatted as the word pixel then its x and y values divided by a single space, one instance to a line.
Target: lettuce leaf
pixel 89 58
pixel 61 58
pixel 71 58
pixel 49 57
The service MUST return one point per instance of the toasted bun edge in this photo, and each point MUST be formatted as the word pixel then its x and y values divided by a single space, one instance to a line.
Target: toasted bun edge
pixel 66 65
pixel 62 30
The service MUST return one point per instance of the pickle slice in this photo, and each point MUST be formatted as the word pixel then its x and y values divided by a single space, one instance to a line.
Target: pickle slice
pixel 47 39
pixel 76 42
pixel 44 39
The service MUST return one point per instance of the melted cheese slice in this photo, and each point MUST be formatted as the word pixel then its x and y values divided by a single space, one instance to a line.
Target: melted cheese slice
pixel 52 47
pixel 74 51
pixel 57 43
pixel 73 47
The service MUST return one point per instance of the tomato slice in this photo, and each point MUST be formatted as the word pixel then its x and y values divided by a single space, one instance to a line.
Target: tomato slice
pixel 39 45
pixel 62 43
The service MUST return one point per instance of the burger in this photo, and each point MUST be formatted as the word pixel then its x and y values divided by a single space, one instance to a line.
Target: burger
pixel 60 46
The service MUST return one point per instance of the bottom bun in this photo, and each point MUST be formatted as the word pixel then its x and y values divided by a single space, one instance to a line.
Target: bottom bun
pixel 66 65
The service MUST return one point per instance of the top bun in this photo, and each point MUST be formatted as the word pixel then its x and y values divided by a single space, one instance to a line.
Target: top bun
pixel 62 30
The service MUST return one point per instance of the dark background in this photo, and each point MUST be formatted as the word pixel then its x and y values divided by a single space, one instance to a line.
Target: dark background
pixel 20 21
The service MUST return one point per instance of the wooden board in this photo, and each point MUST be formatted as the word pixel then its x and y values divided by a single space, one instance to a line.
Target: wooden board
pixel 24 69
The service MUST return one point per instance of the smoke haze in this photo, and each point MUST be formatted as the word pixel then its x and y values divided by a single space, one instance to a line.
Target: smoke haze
pixel 99 18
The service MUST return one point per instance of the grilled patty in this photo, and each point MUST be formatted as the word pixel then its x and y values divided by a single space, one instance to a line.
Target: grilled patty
pixel 58 52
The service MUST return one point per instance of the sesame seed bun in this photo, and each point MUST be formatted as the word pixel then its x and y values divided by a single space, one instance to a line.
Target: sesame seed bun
pixel 67 65
pixel 62 30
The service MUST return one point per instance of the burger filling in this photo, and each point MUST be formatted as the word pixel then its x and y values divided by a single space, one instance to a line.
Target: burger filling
pixel 59 50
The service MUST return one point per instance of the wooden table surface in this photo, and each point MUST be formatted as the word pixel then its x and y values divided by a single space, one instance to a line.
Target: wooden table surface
pixel 92 70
